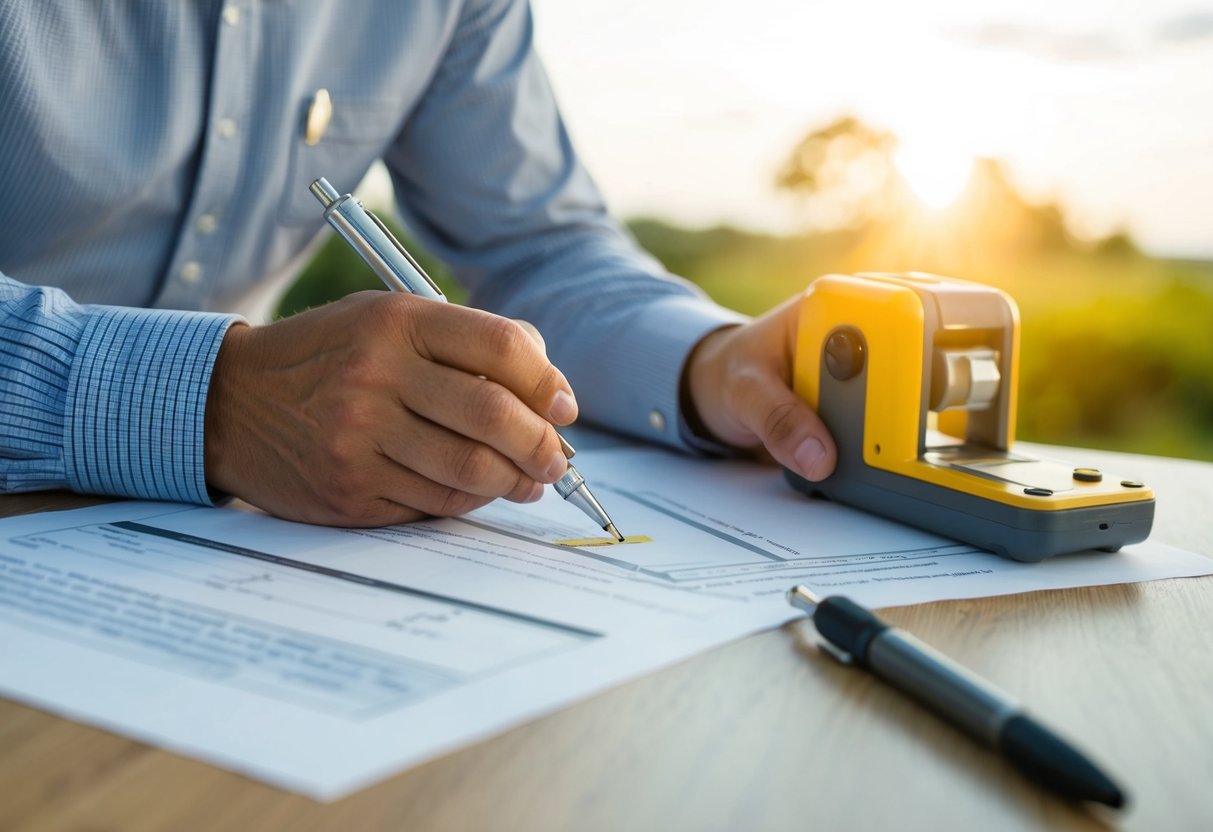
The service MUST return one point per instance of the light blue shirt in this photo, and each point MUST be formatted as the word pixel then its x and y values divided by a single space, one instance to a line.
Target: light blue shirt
pixel 154 171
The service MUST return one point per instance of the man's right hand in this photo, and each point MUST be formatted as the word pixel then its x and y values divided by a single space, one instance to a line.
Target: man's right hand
pixel 384 408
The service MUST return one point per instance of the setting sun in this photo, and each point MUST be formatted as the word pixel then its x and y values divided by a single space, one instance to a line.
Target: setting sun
pixel 935 174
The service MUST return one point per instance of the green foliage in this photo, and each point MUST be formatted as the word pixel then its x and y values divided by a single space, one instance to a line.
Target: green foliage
pixel 1118 244
pixel 1128 372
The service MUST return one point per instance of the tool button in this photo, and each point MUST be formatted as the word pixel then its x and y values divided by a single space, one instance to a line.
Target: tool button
pixel 844 354
pixel 1088 474
pixel 1132 484
pixel 1038 492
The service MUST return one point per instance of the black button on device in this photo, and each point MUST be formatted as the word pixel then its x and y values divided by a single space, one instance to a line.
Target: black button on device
pixel 844 354
pixel 1088 474
pixel 1132 484
pixel 1038 492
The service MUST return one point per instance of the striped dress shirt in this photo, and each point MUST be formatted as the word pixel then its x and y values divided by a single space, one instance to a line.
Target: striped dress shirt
pixel 154 169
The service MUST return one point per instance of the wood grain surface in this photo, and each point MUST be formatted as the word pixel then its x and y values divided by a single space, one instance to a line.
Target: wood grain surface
pixel 765 733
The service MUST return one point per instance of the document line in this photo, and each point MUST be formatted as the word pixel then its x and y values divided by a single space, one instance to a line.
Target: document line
pixel 339 574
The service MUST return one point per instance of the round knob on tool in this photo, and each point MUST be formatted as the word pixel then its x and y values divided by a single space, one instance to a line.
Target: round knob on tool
pixel 844 353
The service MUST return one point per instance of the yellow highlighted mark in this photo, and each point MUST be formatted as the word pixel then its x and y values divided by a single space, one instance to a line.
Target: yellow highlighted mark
pixel 603 541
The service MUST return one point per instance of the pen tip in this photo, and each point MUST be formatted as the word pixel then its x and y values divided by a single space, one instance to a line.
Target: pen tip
pixel 610 527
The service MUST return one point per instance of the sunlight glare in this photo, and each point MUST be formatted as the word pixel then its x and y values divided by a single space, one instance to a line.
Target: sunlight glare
pixel 936 174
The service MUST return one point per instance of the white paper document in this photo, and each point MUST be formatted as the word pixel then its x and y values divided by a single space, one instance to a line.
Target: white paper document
pixel 323 659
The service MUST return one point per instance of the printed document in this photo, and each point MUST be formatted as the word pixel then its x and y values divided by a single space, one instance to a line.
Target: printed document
pixel 322 659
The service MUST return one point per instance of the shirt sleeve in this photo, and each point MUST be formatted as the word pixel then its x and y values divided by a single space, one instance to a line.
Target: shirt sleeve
pixel 103 399
pixel 487 177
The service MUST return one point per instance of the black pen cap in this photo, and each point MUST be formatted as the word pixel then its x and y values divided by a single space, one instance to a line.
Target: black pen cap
pixel 848 626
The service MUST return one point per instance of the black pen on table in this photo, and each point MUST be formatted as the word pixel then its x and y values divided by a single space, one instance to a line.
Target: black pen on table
pixel 401 273
pixel 854 634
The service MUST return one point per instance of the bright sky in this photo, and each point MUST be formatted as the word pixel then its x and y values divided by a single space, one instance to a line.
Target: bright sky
pixel 686 108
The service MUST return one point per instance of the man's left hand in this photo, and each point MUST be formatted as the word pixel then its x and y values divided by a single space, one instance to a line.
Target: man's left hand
pixel 740 387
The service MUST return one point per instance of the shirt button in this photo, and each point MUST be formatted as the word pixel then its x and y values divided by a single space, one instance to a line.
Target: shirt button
pixel 657 421
pixel 319 114
pixel 190 272
pixel 227 128
pixel 207 224
pixel 231 15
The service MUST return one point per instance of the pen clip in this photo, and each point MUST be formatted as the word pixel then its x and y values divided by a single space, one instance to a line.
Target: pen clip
pixel 841 656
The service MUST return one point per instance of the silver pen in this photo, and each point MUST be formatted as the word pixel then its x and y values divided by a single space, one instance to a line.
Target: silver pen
pixel 401 273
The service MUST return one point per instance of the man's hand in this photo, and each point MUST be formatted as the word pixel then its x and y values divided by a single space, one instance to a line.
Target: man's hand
pixel 384 408
pixel 740 386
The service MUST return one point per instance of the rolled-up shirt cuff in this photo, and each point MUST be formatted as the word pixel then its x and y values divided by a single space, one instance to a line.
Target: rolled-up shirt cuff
pixel 136 403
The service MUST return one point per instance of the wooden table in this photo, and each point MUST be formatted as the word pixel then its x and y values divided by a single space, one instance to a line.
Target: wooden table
pixel 765 733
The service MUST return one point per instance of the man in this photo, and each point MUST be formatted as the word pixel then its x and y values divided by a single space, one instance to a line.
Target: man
pixel 157 157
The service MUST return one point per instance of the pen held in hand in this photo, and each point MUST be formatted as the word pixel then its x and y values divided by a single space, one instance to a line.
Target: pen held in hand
pixel 400 272
pixel 855 635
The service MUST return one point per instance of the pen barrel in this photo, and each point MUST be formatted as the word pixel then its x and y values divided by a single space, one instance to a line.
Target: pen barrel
pixel 955 693
pixel 375 243
pixel 568 484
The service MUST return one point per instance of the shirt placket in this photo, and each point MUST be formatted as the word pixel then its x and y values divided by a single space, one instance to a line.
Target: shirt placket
pixel 198 257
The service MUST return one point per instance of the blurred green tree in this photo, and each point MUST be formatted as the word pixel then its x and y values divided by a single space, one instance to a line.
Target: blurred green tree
pixel 845 173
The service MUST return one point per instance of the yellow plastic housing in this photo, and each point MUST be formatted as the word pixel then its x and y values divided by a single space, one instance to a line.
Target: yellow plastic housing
pixel 888 311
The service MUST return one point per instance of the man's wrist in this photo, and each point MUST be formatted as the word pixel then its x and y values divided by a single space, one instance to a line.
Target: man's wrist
pixel 699 379
pixel 221 399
